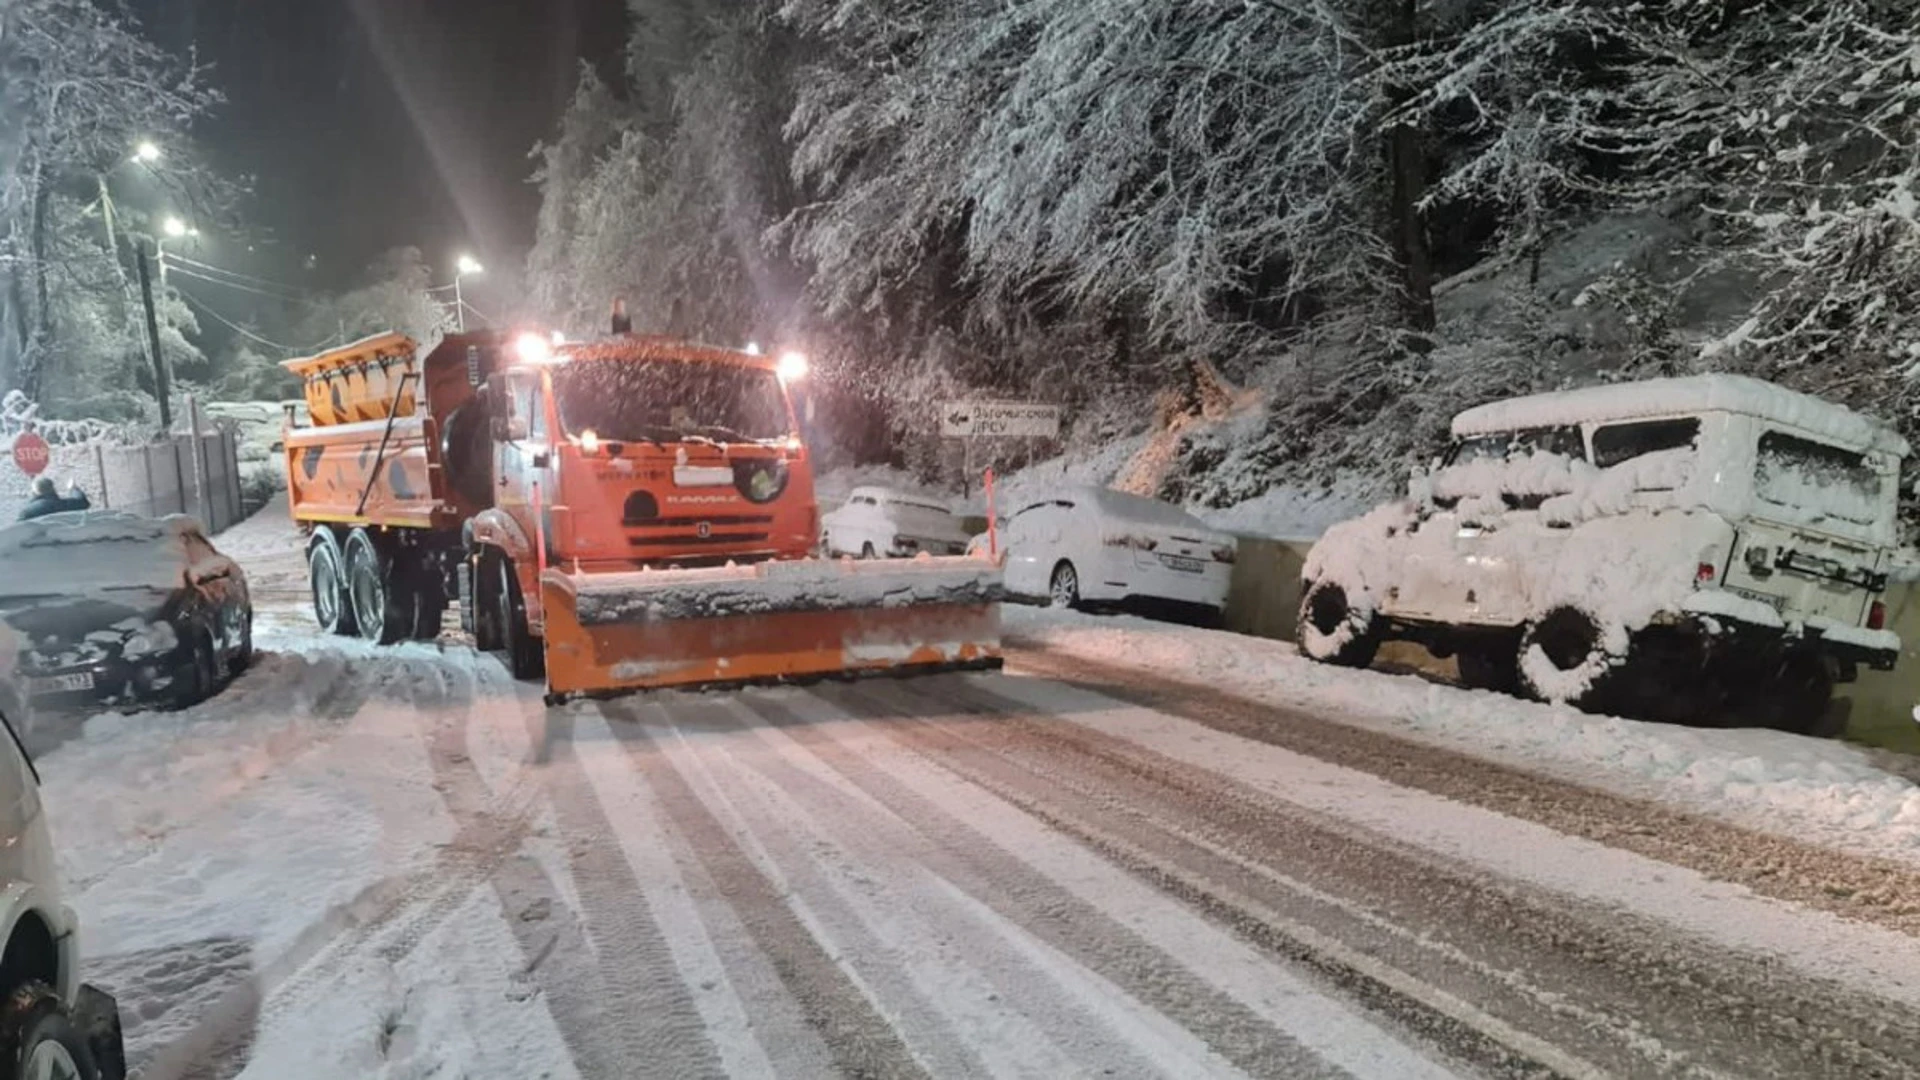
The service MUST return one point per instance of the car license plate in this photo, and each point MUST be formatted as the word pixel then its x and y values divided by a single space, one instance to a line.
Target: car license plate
pixel 60 684
pixel 1183 564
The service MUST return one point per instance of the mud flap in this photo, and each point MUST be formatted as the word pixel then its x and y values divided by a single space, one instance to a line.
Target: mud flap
pixel 97 1017
pixel 775 622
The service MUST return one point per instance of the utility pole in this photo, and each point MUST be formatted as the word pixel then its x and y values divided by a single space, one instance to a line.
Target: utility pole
pixel 161 390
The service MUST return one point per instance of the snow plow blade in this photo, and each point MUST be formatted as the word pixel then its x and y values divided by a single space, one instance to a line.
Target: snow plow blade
pixel 768 623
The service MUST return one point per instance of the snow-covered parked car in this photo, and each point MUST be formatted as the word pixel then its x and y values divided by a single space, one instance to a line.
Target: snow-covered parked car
pixel 1093 545
pixel 118 610
pixel 879 522
pixel 50 1024
pixel 1670 548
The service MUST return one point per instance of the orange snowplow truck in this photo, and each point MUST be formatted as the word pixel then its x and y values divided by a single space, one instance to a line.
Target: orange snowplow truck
pixel 621 514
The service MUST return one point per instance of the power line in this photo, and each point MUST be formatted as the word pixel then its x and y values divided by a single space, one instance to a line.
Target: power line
pixel 201 306
pixel 197 276
pixel 292 291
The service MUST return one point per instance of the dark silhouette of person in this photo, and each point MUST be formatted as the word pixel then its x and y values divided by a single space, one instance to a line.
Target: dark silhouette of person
pixel 48 500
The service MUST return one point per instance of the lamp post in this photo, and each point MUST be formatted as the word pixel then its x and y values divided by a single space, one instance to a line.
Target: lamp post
pixel 462 267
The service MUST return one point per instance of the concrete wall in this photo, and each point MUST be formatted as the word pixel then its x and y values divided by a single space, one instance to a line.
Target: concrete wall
pixel 152 480
pixel 1265 600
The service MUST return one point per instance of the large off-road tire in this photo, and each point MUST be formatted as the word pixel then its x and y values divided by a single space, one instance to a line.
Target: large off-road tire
pixel 1063 588
pixel 327 578
pixel 1489 667
pixel 1565 658
pixel 524 656
pixel 41 1041
pixel 1332 631
pixel 383 607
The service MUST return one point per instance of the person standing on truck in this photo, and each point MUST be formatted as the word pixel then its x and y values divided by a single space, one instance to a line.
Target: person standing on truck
pixel 47 500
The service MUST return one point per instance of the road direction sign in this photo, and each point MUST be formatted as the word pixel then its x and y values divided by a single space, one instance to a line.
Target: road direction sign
pixel 999 419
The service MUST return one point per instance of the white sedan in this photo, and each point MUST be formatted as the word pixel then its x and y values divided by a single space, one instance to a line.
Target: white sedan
pixel 1087 545
pixel 879 522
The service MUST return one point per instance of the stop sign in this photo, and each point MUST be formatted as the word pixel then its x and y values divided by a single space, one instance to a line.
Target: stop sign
pixel 30 453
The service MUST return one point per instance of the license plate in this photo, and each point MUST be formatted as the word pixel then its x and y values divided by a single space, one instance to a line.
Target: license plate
pixel 60 684
pixel 1777 603
pixel 1183 564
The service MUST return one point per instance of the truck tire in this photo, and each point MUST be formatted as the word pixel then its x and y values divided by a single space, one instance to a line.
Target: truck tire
pixel 327 577
pixel 1331 631
pixel 382 601
pixel 41 1040
pixel 524 656
pixel 1564 659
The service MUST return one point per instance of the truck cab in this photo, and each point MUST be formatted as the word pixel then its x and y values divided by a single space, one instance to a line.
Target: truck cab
pixel 645 452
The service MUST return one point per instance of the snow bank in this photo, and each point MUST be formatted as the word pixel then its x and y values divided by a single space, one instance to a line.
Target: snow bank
pixel 806 585
pixel 1668 397
pixel 1803 788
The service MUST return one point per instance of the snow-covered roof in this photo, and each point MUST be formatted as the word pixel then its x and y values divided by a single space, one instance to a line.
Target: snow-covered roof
pixel 81 552
pixel 1683 396
pixel 896 496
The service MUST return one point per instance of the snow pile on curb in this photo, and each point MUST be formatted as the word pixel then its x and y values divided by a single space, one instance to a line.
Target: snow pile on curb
pixel 1793 786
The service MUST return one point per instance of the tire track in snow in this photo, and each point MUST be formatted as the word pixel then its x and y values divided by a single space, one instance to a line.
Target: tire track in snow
pixel 1873 890
pixel 1092 1023
pixel 854 899
pixel 638 1009
pixel 1666 1004
pixel 860 1039
pixel 1063 921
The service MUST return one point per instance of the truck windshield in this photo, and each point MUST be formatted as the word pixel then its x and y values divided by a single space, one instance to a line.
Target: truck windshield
pixel 661 400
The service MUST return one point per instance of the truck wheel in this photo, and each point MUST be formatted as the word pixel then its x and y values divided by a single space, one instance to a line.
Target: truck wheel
pixel 382 601
pixel 524 658
pixel 42 1041
pixel 327 575
pixel 1331 631
pixel 1564 659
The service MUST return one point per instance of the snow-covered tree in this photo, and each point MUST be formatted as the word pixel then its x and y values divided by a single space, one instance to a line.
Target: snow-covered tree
pixel 79 87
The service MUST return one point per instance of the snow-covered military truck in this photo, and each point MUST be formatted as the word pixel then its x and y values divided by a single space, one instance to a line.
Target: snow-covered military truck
pixel 1680 549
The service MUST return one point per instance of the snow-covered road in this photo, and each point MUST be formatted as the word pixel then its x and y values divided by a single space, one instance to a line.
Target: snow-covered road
pixel 1117 858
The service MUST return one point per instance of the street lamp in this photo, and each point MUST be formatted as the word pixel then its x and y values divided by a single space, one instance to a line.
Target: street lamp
pixel 462 267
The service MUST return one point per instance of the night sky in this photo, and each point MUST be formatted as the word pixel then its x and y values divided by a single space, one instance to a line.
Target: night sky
pixel 369 124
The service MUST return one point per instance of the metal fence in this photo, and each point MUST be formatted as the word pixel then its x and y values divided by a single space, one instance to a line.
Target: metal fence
pixel 184 474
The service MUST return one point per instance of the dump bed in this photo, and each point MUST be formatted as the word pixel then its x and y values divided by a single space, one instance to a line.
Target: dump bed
pixel 375 452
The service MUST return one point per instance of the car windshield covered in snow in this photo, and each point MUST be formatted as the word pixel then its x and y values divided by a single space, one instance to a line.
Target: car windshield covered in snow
pixel 83 553
pixel 657 400
pixel 1823 480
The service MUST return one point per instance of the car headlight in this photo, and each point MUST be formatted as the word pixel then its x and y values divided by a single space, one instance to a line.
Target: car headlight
pixel 153 639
